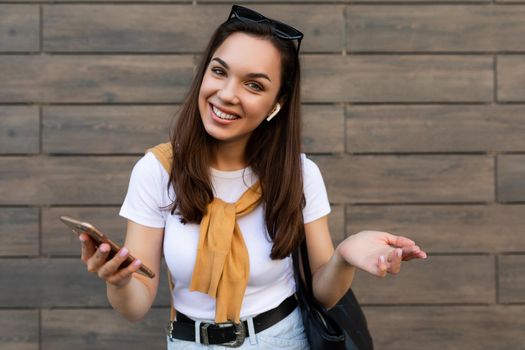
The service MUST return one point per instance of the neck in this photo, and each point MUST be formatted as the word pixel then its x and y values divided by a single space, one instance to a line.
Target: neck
pixel 229 156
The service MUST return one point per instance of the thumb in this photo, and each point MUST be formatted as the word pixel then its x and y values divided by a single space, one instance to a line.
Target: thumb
pixel 399 241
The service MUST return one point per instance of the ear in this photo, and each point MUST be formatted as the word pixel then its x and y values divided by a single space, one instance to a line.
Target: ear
pixel 275 111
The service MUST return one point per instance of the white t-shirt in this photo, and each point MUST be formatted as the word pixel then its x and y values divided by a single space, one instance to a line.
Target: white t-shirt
pixel 270 281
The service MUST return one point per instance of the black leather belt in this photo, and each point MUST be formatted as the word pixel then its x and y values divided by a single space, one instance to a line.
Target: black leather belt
pixel 229 334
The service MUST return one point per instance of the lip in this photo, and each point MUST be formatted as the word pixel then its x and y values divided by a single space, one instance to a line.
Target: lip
pixel 227 111
pixel 216 117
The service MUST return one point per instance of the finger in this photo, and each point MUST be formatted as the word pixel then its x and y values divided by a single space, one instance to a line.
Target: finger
pixel 124 274
pixel 395 266
pixel 382 266
pixel 87 247
pixel 112 265
pixel 402 241
pixel 407 251
pixel 415 255
pixel 99 258
pixel 399 241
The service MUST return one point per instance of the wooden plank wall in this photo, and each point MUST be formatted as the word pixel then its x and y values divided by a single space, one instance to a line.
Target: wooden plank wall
pixel 414 111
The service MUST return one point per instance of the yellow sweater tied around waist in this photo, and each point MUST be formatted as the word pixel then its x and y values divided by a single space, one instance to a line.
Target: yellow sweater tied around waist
pixel 222 265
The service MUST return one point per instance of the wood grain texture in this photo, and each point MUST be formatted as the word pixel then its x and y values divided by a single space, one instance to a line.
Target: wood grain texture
pixel 446 228
pixel 19 329
pixel 19 130
pixel 62 282
pixel 19 231
pixel 64 180
pixel 105 129
pixel 334 1
pixel 173 28
pixel 511 278
pixel 440 28
pixel 102 330
pixel 408 179
pixel 494 327
pixel 511 176
pixel 336 223
pixel 390 78
pixel 414 129
pixel 323 129
pixel 19 28
pixel 510 72
pixel 92 78
pixel 124 2
pixel 452 279
pixel 59 240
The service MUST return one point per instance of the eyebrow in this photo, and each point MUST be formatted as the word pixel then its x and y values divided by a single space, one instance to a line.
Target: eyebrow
pixel 250 75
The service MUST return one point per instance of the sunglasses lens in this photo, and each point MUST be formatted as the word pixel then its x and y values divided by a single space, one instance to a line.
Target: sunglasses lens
pixel 280 29
pixel 285 29
pixel 247 13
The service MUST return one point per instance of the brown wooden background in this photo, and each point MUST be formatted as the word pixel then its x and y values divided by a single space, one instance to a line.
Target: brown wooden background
pixel 413 110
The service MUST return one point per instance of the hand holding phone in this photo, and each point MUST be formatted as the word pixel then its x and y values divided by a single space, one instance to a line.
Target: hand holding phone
pixel 99 238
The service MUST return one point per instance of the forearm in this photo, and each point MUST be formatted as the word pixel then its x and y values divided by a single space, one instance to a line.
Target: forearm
pixel 332 280
pixel 132 301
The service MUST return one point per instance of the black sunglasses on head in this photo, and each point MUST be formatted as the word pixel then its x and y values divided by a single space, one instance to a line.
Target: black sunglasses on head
pixel 280 29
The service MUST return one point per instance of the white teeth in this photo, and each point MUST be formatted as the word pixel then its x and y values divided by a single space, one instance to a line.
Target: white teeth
pixel 223 115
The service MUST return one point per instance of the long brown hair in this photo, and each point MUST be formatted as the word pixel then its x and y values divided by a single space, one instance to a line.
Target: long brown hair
pixel 273 150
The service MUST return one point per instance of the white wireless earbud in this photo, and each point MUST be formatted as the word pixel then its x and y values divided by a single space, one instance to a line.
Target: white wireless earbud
pixel 275 111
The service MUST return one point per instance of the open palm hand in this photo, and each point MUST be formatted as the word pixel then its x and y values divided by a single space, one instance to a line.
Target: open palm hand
pixel 379 252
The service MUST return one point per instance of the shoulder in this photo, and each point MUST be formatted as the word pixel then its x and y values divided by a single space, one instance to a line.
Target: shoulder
pixel 149 168
pixel 310 169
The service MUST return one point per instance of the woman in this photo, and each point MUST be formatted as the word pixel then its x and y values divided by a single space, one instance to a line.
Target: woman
pixel 232 200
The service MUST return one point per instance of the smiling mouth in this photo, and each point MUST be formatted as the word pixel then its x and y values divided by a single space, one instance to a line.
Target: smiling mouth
pixel 223 115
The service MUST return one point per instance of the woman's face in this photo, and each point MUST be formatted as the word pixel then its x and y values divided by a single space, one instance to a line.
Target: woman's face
pixel 239 87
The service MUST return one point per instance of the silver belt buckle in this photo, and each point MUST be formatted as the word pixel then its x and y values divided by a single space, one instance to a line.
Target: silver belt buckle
pixel 169 330
pixel 240 333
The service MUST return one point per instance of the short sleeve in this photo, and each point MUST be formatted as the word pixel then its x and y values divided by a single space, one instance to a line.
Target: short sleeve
pixel 144 198
pixel 317 204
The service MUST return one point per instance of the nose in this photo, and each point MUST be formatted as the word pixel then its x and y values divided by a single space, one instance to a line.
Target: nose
pixel 228 92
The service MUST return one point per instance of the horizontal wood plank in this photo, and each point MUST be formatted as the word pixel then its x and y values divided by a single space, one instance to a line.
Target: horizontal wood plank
pixel 336 223
pixel 19 329
pixel 59 240
pixel 511 78
pixel 408 179
pixel 434 28
pixel 511 278
pixel 414 129
pixel 133 129
pixel 19 130
pixel 102 330
pixel 457 279
pixel 104 129
pixel 323 129
pixel 19 28
pixel 19 231
pixel 174 28
pixel 446 228
pixel 64 180
pixel 94 78
pixel 511 172
pixel 495 327
pixel 390 78
pixel 62 282
pixel 335 1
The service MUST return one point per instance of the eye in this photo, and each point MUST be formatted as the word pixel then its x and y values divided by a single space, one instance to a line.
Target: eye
pixel 218 71
pixel 255 86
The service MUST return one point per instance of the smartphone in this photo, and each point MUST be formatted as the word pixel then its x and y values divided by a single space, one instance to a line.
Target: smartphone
pixel 98 237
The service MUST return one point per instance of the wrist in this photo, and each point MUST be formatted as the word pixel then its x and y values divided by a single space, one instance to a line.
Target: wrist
pixel 340 259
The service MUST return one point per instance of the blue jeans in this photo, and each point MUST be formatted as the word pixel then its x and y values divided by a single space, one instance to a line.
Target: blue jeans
pixel 286 334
